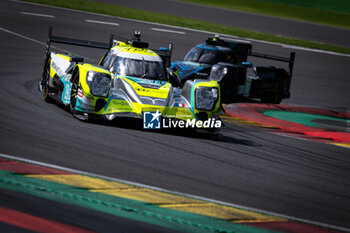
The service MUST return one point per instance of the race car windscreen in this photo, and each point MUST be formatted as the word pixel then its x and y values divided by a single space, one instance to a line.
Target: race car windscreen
pixel 139 68
pixel 208 56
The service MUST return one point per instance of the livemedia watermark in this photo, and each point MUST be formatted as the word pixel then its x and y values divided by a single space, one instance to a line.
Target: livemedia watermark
pixel 154 120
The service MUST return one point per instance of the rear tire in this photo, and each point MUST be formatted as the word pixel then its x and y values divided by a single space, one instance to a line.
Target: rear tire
pixel 275 97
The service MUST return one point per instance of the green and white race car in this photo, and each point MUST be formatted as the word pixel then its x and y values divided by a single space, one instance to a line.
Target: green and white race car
pixel 129 81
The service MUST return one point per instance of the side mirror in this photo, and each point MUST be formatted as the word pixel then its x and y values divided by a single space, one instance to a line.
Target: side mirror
pixel 173 79
pixel 247 64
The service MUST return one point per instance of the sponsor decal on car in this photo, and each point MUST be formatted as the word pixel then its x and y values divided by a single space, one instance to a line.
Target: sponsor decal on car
pixel 80 94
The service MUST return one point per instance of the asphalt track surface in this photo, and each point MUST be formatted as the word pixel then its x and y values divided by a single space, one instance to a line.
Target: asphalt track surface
pixel 246 166
pixel 95 221
pixel 261 23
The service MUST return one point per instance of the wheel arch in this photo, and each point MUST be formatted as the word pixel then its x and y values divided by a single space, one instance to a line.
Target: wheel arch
pixel 83 70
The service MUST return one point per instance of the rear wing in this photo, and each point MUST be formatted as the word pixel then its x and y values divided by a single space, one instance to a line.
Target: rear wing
pixel 289 60
pixel 85 43
pixel 164 53
pixel 71 41
pixel 244 49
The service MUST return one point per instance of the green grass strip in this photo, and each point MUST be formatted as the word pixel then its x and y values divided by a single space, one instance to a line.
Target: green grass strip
pixel 342 6
pixel 113 10
pixel 123 207
pixel 329 13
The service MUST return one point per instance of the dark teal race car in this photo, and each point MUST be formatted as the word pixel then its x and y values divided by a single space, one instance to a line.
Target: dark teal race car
pixel 226 62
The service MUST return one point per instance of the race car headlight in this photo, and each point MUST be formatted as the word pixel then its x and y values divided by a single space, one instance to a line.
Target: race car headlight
pixel 218 72
pixel 99 83
pixel 206 98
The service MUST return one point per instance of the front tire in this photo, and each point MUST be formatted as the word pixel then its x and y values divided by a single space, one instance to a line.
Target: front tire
pixel 45 82
pixel 74 92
